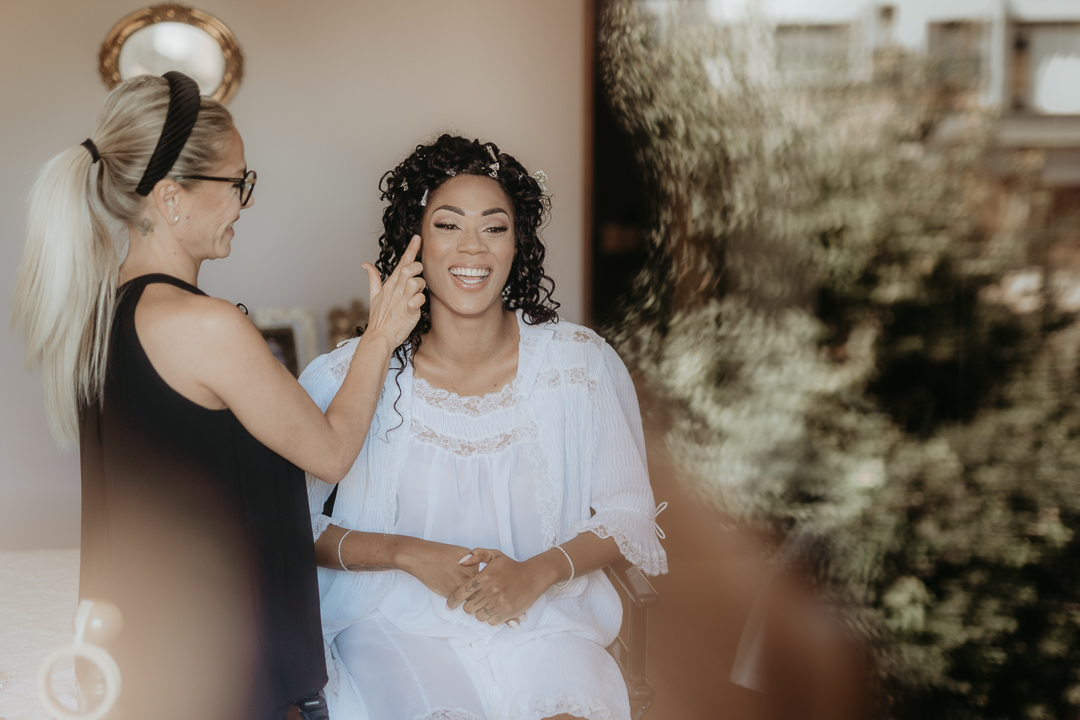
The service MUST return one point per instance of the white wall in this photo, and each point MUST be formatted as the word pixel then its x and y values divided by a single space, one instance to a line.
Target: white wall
pixel 335 92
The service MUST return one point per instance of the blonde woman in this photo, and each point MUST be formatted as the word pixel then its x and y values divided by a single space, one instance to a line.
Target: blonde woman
pixel 193 438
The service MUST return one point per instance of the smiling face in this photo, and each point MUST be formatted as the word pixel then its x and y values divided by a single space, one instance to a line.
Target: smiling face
pixel 468 246
pixel 206 224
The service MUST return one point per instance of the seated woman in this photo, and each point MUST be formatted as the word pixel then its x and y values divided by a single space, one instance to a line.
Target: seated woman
pixel 458 576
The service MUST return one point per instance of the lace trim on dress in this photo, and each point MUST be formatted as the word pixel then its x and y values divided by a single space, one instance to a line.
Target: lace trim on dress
pixel 320 522
pixel 577 334
pixel 650 563
pixel 471 405
pixel 395 458
pixel 586 707
pixel 465 448
pixel 551 379
pixel 547 500
pixel 341 358
pixel 445 714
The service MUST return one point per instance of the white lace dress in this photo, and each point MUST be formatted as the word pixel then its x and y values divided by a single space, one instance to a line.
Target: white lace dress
pixel 518 470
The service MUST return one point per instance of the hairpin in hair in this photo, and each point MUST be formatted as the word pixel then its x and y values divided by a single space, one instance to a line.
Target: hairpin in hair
pixel 423 200
pixel 495 165
pixel 541 179
pixel 405 186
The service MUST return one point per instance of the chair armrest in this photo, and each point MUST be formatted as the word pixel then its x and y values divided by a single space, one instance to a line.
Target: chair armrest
pixel 633 583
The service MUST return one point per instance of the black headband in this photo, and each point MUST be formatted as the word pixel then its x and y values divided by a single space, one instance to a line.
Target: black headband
pixel 184 101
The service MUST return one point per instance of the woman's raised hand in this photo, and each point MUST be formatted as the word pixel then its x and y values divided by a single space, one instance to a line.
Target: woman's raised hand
pixel 502 591
pixel 395 304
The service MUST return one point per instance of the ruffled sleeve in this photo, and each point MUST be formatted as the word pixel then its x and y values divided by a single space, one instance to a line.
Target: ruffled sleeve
pixel 621 498
pixel 322 379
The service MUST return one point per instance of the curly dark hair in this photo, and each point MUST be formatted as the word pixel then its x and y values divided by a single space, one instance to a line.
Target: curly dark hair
pixel 528 288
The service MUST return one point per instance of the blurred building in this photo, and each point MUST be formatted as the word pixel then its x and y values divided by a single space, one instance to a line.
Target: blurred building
pixel 1021 57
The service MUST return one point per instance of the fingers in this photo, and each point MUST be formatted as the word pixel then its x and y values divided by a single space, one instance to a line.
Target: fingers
pixel 416 302
pixel 415 286
pixel 479 555
pixel 476 602
pixel 407 266
pixel 374 280
pixel 411 250
pixel 407 270
pixel 463 593
pixel 396 303
pixel 490 615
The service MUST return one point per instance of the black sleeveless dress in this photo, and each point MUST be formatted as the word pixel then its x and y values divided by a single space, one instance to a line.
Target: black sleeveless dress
pixel 200 534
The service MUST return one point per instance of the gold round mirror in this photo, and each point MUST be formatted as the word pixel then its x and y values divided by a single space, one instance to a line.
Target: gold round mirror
pixel 157 39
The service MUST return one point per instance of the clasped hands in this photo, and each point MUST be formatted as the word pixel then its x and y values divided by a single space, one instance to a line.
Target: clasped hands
pixel 498 594
pixel 502 591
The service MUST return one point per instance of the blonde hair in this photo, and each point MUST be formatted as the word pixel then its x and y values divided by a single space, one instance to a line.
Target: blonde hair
pixel 66 290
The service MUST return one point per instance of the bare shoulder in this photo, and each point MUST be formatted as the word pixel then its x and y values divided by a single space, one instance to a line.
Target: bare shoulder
pixel 193 341
pixel 170 312
pixel 197 343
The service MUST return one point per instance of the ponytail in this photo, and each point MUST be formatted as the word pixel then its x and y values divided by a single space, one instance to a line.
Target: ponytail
pixel 66 286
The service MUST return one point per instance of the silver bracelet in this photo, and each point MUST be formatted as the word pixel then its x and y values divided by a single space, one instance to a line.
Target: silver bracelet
pixel 340 561
pixel 567 581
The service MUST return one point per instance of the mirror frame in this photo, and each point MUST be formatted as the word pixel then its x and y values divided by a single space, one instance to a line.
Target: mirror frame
pixel 109 57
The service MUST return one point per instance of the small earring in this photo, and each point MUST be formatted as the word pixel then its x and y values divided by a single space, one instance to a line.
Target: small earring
pixel 175 219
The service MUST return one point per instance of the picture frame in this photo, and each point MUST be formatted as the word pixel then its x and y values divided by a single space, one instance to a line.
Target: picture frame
pixel 290 334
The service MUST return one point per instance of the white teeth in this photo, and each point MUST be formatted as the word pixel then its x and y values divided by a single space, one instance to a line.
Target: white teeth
pixel 470 272
pixel 470 276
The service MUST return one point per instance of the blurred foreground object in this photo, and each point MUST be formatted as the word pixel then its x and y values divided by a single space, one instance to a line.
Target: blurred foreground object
pixel 835 318
pixel 97 624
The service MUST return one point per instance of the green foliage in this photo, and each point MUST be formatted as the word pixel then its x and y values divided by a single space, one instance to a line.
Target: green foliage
pixel 822 315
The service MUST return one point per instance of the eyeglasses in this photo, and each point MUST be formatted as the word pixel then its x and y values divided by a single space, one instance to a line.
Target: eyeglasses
pixel 245 185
